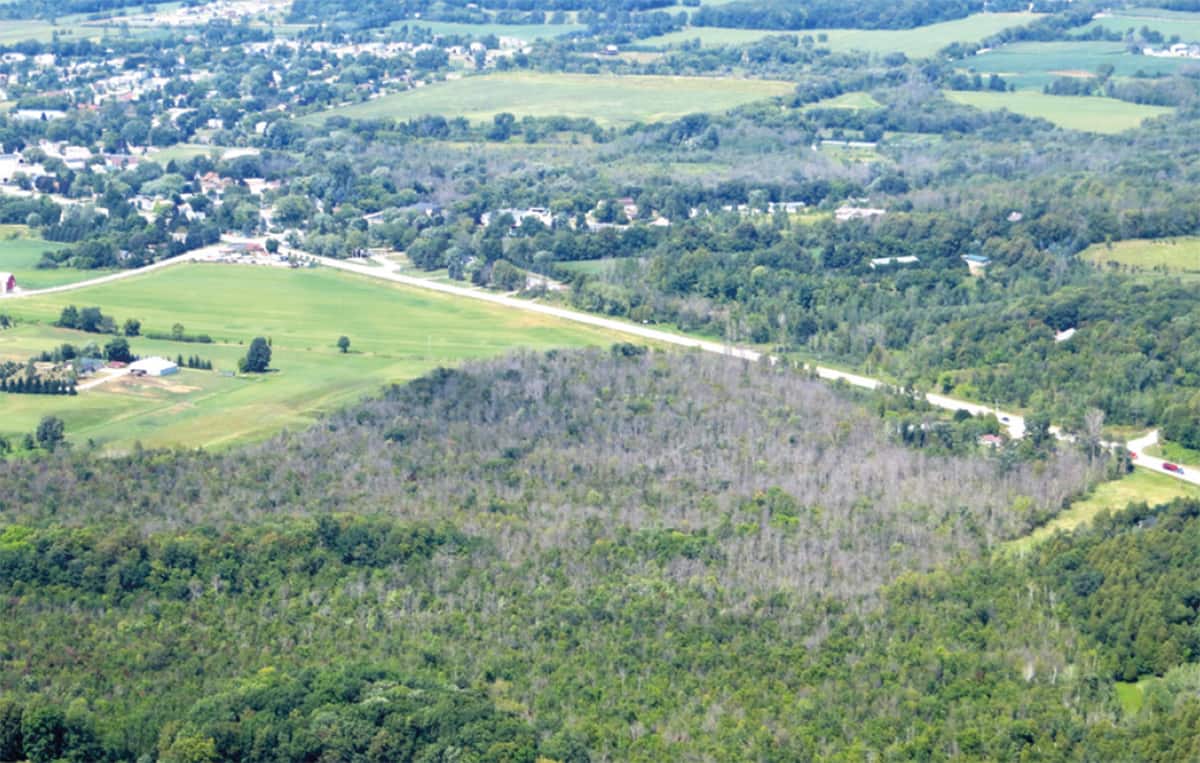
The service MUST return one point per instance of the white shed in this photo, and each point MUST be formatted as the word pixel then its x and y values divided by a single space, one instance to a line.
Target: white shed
pixel 153 367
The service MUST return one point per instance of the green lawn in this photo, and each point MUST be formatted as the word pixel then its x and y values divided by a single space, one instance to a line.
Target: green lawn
pixel 1166 23
pixel 1141 485
pixel 1130 695
pixel 919 42
pixel 397 333
pixel 606 98
pixel 1086 113
pixel 852 101
pixel 1176 255
pixel 1034 64
pixel 19 255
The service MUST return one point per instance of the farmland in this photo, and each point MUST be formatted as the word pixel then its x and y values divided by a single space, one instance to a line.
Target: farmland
pixel 1035 64
pixel 1176 255
pixel 607 99
pixel 919 42
pixel 19 255
pixel 396 334
pixel 1086 113
pixel 1165 22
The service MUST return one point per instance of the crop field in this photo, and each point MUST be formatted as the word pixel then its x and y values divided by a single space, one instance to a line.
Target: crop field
pixel 1166 23
pixel 19 255
pixel 607 99
pixel 1085 113
pixel 1034 64
pixel 1174 255
pixel 918 43
pixel 397 333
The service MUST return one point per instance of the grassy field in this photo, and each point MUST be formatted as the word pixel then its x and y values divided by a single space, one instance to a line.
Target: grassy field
pixel 852 101
pixel 19 255
pixel 1166 23
pixel 396 333
pixel 1140 486
pixel 919 43
pixel 607 99
pixel 1089 114
pixel 1175 255
pixel 1034 64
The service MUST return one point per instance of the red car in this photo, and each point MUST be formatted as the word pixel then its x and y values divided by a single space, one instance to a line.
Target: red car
pixel 1171 467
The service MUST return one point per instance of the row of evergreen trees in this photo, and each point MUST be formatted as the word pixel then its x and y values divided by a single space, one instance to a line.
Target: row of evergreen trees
pixel 35 385
pixel 193 361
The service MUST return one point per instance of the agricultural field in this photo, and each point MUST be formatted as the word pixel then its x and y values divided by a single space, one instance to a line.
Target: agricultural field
pixel 920 42
pixel 1174 255
pixel 1035 64
pixel 1140 486
pixel 397 333
pixel 20 253
pixel 1165 22
pixel 1084 113
pixel 607 99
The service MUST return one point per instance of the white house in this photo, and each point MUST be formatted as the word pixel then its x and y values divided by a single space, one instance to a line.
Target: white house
pixel 153 367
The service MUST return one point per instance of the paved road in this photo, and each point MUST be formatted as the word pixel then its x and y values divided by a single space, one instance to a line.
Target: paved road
pixel 385 271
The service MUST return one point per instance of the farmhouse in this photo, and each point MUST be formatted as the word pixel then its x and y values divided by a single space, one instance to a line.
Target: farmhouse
pixel 857 213
pixel 8 283
pixel 153 367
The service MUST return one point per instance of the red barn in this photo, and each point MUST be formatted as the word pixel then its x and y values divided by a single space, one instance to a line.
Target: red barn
pixel 8 282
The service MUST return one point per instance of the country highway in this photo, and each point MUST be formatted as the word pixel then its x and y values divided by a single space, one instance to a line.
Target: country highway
pixel 1014 423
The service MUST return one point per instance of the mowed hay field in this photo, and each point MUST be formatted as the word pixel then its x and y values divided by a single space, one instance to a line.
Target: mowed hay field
pixel 919 42
pixel 397 333
pixel 1176 255
pixel 1085 113
pixel 607 99
pixel 19 254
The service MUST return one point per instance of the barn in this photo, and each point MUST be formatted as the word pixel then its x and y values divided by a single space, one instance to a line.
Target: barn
pixel 153 367
pixel 8 283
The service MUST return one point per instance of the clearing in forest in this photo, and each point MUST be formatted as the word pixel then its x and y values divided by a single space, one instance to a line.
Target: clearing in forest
pixel 1084 113
pixel 396 334
pixel 607 99
pixel 1174 255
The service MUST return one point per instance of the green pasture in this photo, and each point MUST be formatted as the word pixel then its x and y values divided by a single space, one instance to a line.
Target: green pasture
pixel 919 42
pixel 1140 486
pixel 606 98
pixel 1167 23
pixel 20 253
pixel 397 333
pixel 1035 64
pixel 1085 113
pixel 852 101
pixel 1175 255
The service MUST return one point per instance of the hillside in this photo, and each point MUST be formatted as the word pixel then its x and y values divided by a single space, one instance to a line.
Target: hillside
pixel 580 555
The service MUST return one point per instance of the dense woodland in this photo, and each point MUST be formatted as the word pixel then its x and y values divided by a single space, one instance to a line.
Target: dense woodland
pixel 585 556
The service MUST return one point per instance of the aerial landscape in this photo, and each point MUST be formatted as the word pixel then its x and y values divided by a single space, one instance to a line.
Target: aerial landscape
pixel 599 380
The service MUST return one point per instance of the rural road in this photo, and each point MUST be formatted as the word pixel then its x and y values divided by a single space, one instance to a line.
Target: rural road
pixel 1014 423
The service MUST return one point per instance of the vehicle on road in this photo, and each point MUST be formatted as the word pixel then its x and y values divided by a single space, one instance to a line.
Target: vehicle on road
pixel 1132 456
pixel 1172 467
